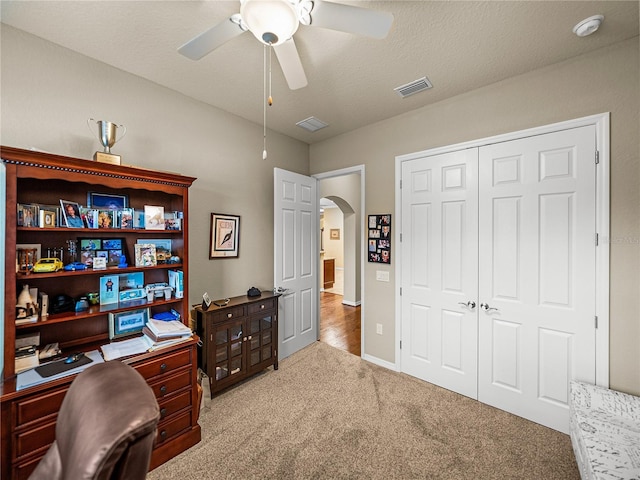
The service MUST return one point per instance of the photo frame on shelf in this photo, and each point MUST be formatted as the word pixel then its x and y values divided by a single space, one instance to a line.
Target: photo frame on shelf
pixel 224 239
pixel 138 219
pixel 99 263
pixel 47 218
pixel 145 255
pixel 172 221
pixel 379 239
pixel 125 218
pixel 110 248
pixel 27 215
pixel 90 217
pixel 71 214
pixel 163 247
pixel 154 217
pixel 124 324
pixel 107 219
pixel 107 201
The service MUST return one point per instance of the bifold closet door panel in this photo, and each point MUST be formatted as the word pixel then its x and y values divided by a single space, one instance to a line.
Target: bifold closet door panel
pixel 537 208
pixel 439 270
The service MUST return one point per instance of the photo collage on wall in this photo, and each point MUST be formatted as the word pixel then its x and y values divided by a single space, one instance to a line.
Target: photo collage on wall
pixel 379 248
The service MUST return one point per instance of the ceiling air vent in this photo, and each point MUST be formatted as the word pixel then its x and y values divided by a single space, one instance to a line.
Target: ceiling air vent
pixel 413 87
pixel 312 124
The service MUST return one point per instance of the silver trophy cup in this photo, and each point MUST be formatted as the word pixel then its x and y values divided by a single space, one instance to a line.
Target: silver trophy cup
pixel 107 136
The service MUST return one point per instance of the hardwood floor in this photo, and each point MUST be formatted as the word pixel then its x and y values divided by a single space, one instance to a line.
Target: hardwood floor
pixel 339 324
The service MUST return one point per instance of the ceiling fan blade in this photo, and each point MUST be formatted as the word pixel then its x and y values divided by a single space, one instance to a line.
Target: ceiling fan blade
pixel 208 41
pixel 346 18
pixel 291 65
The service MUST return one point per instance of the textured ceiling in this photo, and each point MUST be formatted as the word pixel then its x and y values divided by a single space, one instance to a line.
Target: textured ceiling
pixel 459 46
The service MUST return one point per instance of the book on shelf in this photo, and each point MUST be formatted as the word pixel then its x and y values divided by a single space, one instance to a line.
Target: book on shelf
pixel 176 281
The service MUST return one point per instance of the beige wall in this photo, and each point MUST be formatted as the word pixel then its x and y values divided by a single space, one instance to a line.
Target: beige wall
pixel 603 81
pixel 48 93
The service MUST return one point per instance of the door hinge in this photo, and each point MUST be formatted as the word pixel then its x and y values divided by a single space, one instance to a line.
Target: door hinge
pixel 596 317
pixel 400 344
pixel 597 239
pixel 597 157
pixel 401 238
pixel 400 291
pixel 400 184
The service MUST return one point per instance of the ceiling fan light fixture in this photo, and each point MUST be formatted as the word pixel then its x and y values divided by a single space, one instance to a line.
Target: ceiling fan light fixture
pixel 272 22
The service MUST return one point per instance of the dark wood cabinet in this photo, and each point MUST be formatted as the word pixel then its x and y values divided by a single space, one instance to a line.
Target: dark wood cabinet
pixel 329 272
pixel 29 415
pixel 239 339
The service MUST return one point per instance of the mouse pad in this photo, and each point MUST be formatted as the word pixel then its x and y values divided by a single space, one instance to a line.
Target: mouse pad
pixel 58 367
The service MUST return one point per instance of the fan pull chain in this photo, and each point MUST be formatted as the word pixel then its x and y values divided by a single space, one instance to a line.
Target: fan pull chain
pixel 264 105
pixel 269 98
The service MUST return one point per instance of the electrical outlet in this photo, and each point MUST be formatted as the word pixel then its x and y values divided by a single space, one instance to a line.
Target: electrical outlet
pixel 379 328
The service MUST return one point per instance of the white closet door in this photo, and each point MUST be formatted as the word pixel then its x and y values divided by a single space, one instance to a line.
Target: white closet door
pixel 439 270
pixel 537 269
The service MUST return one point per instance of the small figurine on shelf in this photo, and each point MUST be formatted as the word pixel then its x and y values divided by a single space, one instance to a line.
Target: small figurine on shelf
pixel 123 262
pixel 26 306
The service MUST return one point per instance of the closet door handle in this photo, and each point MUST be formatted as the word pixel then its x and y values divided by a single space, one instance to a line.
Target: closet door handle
pixel 470 304
pixel 487 309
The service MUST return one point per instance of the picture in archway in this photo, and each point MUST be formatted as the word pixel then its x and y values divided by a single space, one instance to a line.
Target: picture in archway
pixel 379 248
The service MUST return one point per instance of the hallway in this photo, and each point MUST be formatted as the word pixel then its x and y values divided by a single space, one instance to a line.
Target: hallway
pixel 339 324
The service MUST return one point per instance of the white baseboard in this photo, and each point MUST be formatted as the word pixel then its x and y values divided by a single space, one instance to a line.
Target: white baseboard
pixel 380 362
pixel 350 303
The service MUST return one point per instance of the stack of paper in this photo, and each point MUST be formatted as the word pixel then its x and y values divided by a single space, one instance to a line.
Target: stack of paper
pixel 161 334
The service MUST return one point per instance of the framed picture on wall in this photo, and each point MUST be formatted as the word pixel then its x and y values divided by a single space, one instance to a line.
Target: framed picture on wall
pixel 379 240
pixel 224 238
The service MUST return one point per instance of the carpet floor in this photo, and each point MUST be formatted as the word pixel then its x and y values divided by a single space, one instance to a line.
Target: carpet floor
pixel 326 414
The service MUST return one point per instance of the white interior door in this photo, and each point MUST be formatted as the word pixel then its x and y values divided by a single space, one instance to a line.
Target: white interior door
pixel 537 273
pixel 296 259
pixel 440 270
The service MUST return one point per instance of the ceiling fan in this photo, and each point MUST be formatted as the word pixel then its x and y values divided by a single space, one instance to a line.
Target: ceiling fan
pixel 273 22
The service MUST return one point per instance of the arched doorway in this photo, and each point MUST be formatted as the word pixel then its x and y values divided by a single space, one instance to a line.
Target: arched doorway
pixel 341 248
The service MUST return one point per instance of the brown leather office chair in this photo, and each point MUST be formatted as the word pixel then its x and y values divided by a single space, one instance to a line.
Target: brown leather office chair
pixel 105 428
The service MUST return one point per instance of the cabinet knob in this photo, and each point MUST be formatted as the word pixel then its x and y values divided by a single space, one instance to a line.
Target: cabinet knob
pixel 163 412
pixel 163 435
pixel 229 315
pixel 249 337
pixel 163 367
pixel 262 306
pixel 163 389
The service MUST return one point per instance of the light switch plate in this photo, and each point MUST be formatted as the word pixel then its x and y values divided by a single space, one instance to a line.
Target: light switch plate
pixel 382 276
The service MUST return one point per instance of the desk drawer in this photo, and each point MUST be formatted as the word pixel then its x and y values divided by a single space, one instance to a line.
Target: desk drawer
pixel 166 386
pixel 165 364
pixel 262 306
pixel 35 408
pixel 34 439
pixel 170 406
pixel 173 428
